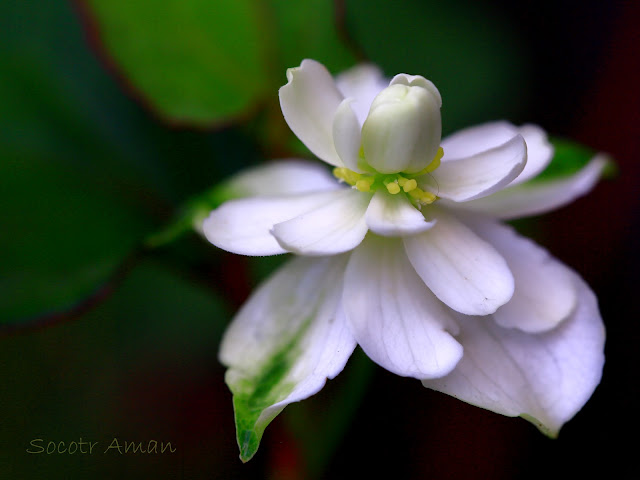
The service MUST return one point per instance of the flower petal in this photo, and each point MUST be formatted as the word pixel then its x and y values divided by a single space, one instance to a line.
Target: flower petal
pixel 336 226
pixel 309 102
pixel 419 81
pixel 539 152
pixel 473 140
pixel 282 177
pixel 398 323
pixel 243 226
pixel 403 128
pixel 346 135
pixel 464 179
pixel 284 343
pixel 545 378
pixel 545 290
pixel 460 268
pixel 537 197
pixel 393 215
pixel 361 83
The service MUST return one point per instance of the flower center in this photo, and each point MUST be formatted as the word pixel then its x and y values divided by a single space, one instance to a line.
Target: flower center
pixel 394 183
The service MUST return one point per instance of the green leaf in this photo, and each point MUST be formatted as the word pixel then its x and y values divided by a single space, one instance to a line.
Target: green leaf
pixel 569 158
pixel 141 366
pixel 69 219
pixel 195 210
pixel 469 50
pixel 201 63
pixel 68 233
pixel 85 174
pixel 193 61
pixel 308 30
pixel 192 214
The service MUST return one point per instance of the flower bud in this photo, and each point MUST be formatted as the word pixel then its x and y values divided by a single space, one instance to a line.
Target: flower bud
pixel 402 132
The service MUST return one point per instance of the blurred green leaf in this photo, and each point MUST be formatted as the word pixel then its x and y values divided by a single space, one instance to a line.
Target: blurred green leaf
pixel 140 366
pixel 85 173
pixel 194 61
pixel 200 63
pixel 194 211
pixel 68 219
pixel 307 29
pixel 66 234
pixel 467 49
pixel 570 157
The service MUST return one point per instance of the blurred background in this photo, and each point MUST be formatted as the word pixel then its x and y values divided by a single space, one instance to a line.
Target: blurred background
pixel 115 116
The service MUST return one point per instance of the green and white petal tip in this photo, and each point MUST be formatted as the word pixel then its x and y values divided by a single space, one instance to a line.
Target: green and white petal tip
pixel 285 342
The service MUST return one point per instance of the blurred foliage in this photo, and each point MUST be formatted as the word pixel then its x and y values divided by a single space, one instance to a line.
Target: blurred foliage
pixel 73 207
pixel 123 371
pixel 202 63
pixel 568 158
pixel 194 61
pixel 84 172
pixel 468 49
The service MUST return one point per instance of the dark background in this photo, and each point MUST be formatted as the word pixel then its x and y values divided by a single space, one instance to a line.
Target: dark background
pixel 137 358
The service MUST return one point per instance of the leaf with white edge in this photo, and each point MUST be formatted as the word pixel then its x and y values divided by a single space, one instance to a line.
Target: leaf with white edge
pixel 284 343
pixel 545 378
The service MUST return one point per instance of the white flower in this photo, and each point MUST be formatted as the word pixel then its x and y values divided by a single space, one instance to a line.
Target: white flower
pixel 412 291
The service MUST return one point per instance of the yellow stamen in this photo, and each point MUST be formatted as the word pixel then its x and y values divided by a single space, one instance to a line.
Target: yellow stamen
pixel 394 183
pixel 364 184
pixel 393 188
pixel 409 185
pixel 422 196
pixel 340 173
pixel 435 163
pixel 346 175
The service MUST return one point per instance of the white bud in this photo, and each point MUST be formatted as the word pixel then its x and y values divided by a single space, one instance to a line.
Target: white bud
pixel 403 130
